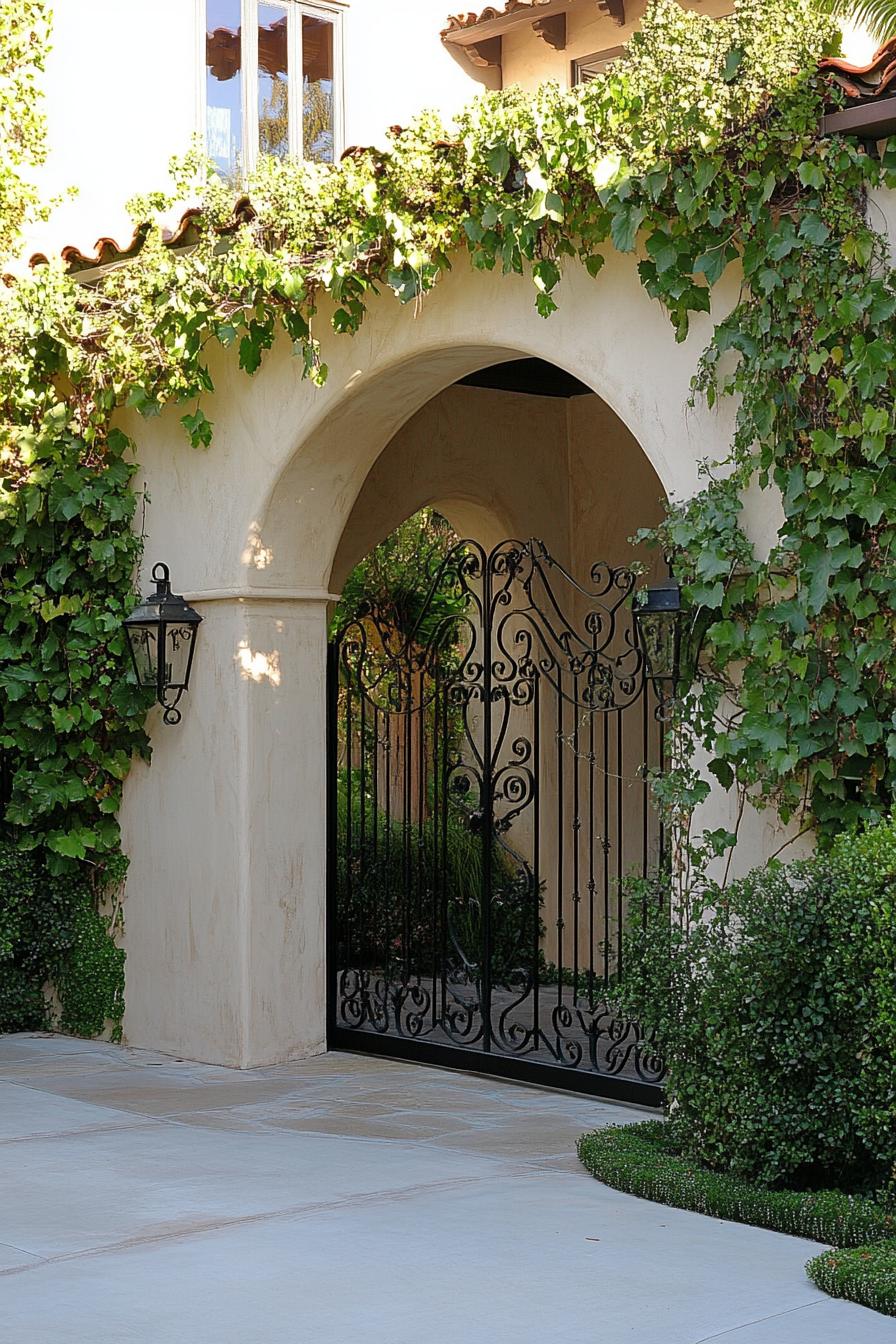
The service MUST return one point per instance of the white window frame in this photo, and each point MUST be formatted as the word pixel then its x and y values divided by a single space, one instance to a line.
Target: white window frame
pixel 295 9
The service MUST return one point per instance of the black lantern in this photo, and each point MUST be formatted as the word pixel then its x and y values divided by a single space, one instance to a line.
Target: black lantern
pixel 657 613
pixel 162 635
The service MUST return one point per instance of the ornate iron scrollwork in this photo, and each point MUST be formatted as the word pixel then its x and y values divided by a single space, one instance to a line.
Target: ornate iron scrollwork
pixel 490 793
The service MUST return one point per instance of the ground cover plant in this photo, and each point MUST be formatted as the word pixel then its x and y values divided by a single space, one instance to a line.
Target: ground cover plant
pixel 645 1160
pixel 866 1274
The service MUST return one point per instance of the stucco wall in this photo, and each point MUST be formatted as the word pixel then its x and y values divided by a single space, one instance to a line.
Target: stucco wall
pixel 528 60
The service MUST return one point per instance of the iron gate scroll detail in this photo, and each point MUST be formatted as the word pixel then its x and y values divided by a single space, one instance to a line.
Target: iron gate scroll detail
pixel 488 793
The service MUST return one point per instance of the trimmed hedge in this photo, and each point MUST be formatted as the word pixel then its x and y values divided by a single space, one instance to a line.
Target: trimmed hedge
pixel 866 1275
pixel 639 1160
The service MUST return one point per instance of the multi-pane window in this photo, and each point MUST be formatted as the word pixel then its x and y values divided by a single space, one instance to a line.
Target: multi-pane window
pixel 587 68
pixel 272 82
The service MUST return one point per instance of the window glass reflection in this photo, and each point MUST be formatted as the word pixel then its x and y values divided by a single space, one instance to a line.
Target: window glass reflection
pixel 317 89
pixel 273 80
pixel 224 86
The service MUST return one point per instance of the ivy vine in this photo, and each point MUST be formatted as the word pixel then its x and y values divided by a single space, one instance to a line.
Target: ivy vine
pixel 698 151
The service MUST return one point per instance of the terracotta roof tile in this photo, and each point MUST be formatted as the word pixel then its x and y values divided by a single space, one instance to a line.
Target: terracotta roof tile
pixel 471 19
pixel 865 82
pixel 107 251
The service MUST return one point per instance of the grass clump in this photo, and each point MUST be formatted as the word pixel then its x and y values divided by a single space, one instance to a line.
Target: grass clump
pixel 642 1160
pixel 863 1274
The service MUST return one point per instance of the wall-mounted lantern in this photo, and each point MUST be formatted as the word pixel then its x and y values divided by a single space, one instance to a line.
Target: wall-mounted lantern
pixel 162 636
pixel 658 617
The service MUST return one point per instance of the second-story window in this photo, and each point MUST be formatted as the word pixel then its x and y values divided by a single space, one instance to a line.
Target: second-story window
pixel 586 68
pixel 272 82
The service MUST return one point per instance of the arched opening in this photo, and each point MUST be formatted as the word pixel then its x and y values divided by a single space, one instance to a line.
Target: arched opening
pixel 226 944
pixel 491 728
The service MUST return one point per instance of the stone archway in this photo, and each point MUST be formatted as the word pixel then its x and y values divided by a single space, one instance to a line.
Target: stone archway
pixel 225 918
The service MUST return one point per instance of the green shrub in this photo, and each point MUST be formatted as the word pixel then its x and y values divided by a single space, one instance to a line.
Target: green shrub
pixel 395 891
pixel 774 1004
pixel 644 1160
pixel 52 934
pixel 866 1274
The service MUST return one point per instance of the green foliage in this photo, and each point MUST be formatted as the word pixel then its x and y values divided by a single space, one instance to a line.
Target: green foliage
pixel 878 16
pixel 24 37
pixel 645 1160
pixel 396 581
pixel 774 1004
pixel 698 151
pixel 52 933
pixel 866 1274
pixel 385 885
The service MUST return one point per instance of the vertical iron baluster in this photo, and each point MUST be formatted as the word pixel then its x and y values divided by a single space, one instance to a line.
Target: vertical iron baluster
pixel 387 857
pixel 560 828
pixel 645 792
pixel 487 808
pixel 576 833
pixel 591 882
pixel 433 851
pixel 406 797
pixel 536 863
pixel 349 920
pixel 419 831
pixel 444 769
pixel 332 948
pixel 606 847
pixel 364 876
pixel 619 853
pixel 376 885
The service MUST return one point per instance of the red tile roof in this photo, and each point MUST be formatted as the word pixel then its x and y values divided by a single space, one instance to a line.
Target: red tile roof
pixel 471 19
pixel 864 82
pixel 107 251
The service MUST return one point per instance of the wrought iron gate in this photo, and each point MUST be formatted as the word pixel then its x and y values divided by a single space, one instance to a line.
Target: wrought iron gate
pixel 488 793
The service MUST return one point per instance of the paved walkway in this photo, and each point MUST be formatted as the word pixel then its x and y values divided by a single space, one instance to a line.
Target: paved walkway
pixel 145 1200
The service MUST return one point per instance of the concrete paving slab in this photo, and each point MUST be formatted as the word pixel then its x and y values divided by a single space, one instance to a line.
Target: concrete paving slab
pixel 12 1258
pixel 529 1260
pixel 155 1180
pixel 825 1322
pixel 328 1209
pixel 45 1043
pixel 27 1113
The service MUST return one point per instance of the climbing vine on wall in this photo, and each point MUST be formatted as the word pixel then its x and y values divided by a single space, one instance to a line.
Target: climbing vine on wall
pixel 699 151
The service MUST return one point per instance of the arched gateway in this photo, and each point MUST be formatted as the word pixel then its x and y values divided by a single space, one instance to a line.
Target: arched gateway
pixel 227 830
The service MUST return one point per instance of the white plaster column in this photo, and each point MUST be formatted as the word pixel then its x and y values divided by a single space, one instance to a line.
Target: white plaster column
pixel 226 897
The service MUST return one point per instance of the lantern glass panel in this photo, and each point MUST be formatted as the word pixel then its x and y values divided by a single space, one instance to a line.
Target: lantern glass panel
pixel 144 644
pixel 659 632
pixel 178 655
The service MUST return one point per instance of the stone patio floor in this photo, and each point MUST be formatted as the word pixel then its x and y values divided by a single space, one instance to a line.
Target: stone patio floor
pixel 152 1200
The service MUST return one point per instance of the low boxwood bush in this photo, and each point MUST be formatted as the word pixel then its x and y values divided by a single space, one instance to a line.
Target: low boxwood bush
pixel 643 1159
pixel 866 1275
pixel 774 1004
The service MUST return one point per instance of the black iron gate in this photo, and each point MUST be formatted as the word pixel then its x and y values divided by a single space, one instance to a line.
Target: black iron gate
pixel 488 794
